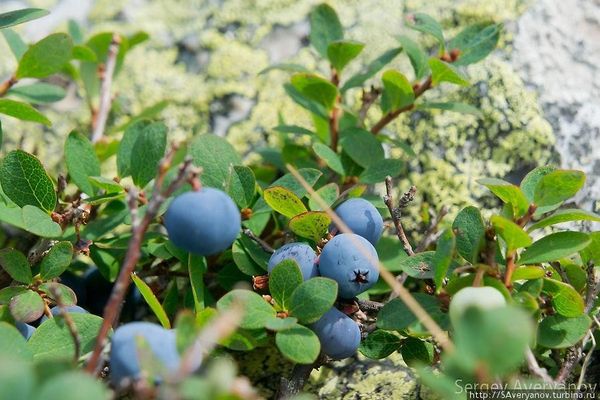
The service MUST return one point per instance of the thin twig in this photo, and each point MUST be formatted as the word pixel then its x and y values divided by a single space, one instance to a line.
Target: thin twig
pixel 289 388
pixel 99 121
pixel 395 213
pixel 139 228
pixel 535 369
pixel 6 85
pixel 68 320
pixel 369 306
pixel 263 245
pixel 219 328
pixel 336 113
pixel 368 99
pixel 391 115
pixel 432 232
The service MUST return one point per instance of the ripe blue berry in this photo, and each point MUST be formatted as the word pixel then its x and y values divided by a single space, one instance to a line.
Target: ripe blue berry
pixel 362 218
pixel 25 329
pixel 343 261
pixel 70 309
pixel 303 254
pixel 339 334
pixel 204 222
pixel 124 358
pixel 77 284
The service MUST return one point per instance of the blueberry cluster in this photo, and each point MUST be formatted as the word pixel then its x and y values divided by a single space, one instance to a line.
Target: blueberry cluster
pixel 348 258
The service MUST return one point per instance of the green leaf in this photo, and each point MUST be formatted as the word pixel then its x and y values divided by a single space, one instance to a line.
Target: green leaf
pixel 340 53
pixel 22 111
pixel 12 343
pixel 567 215
pixel 16 44
pixel 298 344
pixel 241 185
pixel 444 72
pixel 196 269
pixel 307 103
pixel 469 230
pixel 281 324
pixel 329 193
pixel 66 295
pixel 56 261
pixel 84 53
pixel 397 91
pixel 25 181
pixel 311 225
pixel 443 256
pixel 558 332
pixel 531 180
pixel 508 193
pixel 424 23
pixel 39 222
pixel 284 201
pixel 528 273
pixel 416 55
pixel 496 340
pixel 147 151
pixel 554 246
pixel 215 155
pixel 372 68
pixel 152 301
pixel 378 171
pixel 20 16
pixel 362 146
pixel 325 27
pixel 124 153
pixel 256 310
pixel 316 88
pixel 513 235
pixel 461 108
pixel 16 265
pixel 27 306
pixel 108 185
pixel 73 385
pixel 379 344
pixel 558 186
pixel 39 93
pixel 52 339
pixel 420 265
pixel 416 352
pixel 312 299
pixel 395 315
pixel 565 299
pixel 475 42
pixel 45 57
pixel 283 280
pixel 9 292
pixel 330 157
pixel 390 254
pixel 592 252
pixel 244 262
pixel 81 161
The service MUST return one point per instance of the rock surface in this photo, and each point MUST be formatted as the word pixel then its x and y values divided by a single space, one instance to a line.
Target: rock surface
pixel 556 52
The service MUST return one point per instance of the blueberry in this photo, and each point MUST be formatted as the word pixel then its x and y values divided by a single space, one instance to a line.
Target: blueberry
pixel 343 261
pixel 124 357
pixel 302 253
pixel 362 218
pixel 204 222
pixel 484 298
pixel 70 309
pixel 339 334
pixel 25 329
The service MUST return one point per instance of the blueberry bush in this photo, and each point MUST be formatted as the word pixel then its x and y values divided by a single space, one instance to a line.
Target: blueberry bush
pixel 141 266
